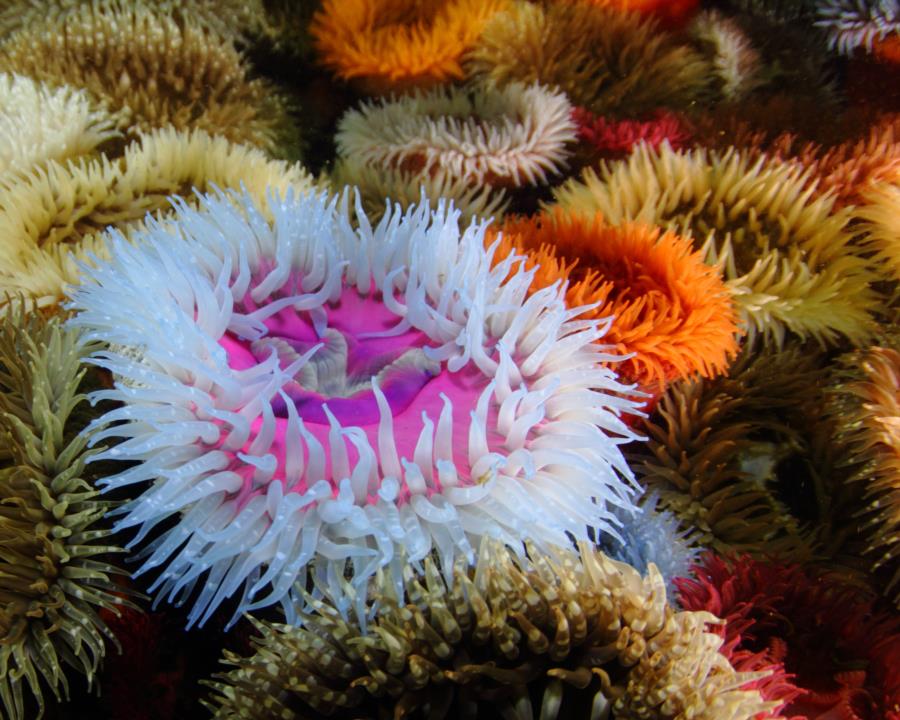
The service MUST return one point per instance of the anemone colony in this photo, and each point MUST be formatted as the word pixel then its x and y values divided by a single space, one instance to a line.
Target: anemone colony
pixel 450 358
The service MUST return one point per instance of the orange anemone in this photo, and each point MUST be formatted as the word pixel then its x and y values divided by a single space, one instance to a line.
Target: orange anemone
pixel 670 309
pixel 389 45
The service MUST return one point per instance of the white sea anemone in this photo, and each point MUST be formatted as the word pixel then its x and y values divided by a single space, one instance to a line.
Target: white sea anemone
pixel 316 393
pixel 513 135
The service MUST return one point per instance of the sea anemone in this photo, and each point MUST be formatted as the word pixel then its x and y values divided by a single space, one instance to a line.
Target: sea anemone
pixel 879 214
pixel 736 63
pixel 853 24
pixel 305 395
pixel 786 253
pixel 612 139
pixel 38 124
pixel 53 217
pixel 53 576
pixel 576 637
pixel 865 406
pixel 725 454
pixel 672 312
pixel 484 135
pixel 387 45
pixel 610 62
pixel 230 18
pixel 380 187
pixel 840 647
pixel 152 69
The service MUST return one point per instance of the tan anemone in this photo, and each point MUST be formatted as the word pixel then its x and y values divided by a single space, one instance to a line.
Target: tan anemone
pixel 609 61
pixel 55 573
pixel 153 69
pixel 719 451
pixel 865 409
pixel 511 136
pixel 580 636
pixel 54 216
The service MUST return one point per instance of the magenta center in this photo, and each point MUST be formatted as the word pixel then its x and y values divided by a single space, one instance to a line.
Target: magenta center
pixel 339 375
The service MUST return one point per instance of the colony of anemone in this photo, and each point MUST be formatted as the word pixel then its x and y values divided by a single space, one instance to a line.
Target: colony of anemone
pixel 347 321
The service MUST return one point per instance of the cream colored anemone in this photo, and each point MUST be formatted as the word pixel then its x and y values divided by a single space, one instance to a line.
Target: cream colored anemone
pixel 785 250
pixel 38 123
pixel 516 135
pixel 54 216
pixel 380 187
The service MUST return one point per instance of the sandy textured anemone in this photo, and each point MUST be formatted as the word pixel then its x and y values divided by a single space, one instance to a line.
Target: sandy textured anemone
pixel 719 451
pixel 53 578
pixel 560 637
pixel 396 44
pixel 736 63
pixel 229 18
pixel 152 69
pixel 865 404
pixel 303 394
pixel 605 60
pixel 853 24
pixel 38 123
pixel 785 252
pixel 54 216
pixel 510 136
pixel 379 187
pixel 880 215
pixel 671 310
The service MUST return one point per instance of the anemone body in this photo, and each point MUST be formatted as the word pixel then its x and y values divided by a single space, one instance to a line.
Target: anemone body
pixel 54 577
pixel 864 405
pixel 611 62
pixel 302 394
pixel 398 44
pixel 672 312
pixel 38 124
pixel 558 637
pixel 721 452
pixel 512 136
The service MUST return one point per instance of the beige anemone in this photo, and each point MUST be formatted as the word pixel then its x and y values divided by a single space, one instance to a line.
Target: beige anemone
pixel 54 216
pixel 583 636
pixel 514 136
pixel 39 123
pixel 152 68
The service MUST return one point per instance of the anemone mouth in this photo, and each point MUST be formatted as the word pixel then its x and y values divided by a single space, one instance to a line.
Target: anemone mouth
pixel 314 393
